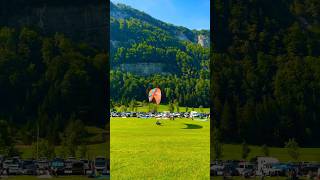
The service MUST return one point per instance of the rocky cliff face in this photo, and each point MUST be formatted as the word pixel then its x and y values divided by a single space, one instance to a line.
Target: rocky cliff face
pixel 203 40
pixel 144 69
pixel 80 20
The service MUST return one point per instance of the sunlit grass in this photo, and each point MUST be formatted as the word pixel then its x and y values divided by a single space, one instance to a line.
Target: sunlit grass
pixel 96 146
pixel 142 150
pixel 233 152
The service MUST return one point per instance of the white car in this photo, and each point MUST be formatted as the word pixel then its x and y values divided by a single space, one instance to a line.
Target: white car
pixel 265 166
pixel 216 170
pixel 12 166
pixel 243 167
pixel 68 165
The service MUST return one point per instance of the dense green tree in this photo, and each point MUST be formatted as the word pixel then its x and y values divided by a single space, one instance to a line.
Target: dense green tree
pixel 245 150
pixel 293 149
pixel 265 150
pixel 43 148
pixel 46 79
pixel 216 145
pixel 6 142
pixel 73 137
pixel 264 71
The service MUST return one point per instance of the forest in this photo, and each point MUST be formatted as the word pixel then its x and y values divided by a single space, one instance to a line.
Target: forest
pixel 48 83
pixel 265 71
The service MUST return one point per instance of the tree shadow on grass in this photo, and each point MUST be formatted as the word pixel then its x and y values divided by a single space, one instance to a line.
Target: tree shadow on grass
pixel 192 126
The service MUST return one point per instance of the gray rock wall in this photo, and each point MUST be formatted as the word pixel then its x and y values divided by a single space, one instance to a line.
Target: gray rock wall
pixel 144 69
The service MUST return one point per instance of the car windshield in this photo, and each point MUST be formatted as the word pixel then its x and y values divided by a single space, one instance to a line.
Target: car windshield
pixel 77 165
pixel 57 164
pixel 100 163
pixel 250 166
pixel 27 163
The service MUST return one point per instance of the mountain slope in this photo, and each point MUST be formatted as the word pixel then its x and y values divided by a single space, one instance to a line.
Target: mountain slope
pixel 121 11
pixel 144 45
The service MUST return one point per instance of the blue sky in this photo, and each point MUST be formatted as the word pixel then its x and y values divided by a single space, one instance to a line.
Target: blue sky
pixel 193 14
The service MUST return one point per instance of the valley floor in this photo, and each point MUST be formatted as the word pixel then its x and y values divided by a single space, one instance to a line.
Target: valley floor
pixel 178 149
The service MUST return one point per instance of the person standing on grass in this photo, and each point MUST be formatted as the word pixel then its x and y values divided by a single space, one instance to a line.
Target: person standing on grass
pixel 158 123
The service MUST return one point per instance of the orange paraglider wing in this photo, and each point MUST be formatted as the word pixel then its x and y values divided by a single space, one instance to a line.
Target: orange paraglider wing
pixel 151 94
pixel 155 95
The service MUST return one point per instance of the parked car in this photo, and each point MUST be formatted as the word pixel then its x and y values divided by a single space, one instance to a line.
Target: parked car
pixel 100 163
pixel 285 169
pixel 57 166
pixel 309 169
pixel 105 172
pixel 77 168
pixel 42 165
pixel 1 161
pixel 245 168
pixel 5 165
pixel 272 169
pixel 264 166
pixel 12 166
pixel 68 166
pixel 87 166
pixel 216 170
pixel 28 167
pixel 230 170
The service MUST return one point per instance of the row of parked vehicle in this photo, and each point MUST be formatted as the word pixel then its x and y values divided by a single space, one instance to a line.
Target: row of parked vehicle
pixel 56 166
pixel 264 166
pixel 166 114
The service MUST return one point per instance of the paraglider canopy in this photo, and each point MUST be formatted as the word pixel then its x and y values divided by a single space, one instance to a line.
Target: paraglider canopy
pixel 155 95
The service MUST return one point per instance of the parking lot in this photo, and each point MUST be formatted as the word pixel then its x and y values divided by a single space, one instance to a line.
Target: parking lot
pixel 265 167
pixel 162 115
pixel 57 167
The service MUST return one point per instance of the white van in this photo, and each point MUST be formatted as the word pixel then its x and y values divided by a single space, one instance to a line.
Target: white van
pixel 265 165
pixel 194 114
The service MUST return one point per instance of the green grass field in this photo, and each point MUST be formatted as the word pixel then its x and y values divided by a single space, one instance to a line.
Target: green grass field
pixel 162 108
pixel 96 147
pixel 142 150
pixel 233 152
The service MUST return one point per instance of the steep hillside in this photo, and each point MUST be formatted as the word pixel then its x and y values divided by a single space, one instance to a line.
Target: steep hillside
pixel 121 11
pixel 138 38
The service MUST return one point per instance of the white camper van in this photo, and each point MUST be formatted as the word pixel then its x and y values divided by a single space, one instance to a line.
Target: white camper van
pixel 194 114
pixel 265 166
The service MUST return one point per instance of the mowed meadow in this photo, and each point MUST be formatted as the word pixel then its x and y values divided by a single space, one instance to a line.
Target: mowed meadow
pixel 96 145
pixel 178 149
pixel 234 152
